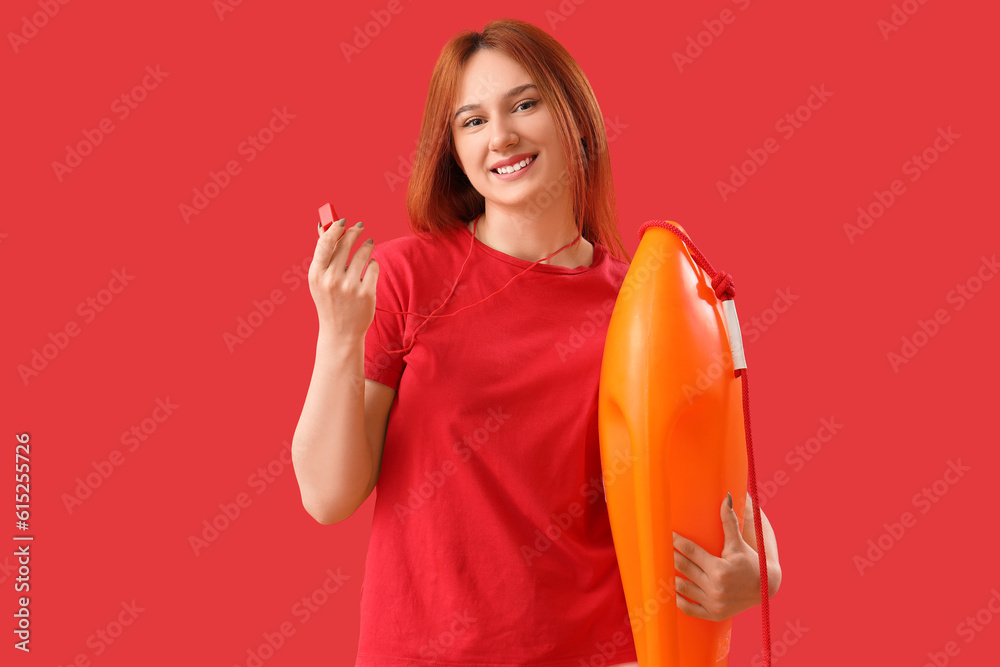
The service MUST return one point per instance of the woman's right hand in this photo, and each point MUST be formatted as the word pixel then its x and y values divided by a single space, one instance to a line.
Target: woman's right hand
pixel 345 303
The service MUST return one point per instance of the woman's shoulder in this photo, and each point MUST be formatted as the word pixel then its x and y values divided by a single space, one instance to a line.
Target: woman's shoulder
pixel 411 257
pixel 417 245
pixel 614 268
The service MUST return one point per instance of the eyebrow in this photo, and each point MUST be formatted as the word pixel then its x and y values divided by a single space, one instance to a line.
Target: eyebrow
pixel 510 93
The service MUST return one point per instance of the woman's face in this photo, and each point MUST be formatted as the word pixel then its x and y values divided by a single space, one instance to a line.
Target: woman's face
pixel 502 127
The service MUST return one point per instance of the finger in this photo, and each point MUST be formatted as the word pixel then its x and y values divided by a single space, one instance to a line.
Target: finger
pixel 369 278
pixel 730 526
pixel 360 259
pixel 691 608
pixel 690 590
pixel 749 532
pixel 690 569
pixel 342 250
pixel 694 553
pixel 326 244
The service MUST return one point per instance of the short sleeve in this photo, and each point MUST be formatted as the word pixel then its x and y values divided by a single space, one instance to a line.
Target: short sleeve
pixel 386 332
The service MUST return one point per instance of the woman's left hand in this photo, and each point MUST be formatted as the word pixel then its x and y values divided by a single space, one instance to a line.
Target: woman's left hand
pixel 717 588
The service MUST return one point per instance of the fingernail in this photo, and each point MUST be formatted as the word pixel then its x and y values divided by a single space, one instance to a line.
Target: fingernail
pixel 729 497
pixel 342 222
pixel 359 225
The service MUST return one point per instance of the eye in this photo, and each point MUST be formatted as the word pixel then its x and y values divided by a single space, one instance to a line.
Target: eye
pixel 532 103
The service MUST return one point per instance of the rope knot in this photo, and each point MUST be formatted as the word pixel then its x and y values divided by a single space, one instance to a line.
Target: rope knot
pixel 722 283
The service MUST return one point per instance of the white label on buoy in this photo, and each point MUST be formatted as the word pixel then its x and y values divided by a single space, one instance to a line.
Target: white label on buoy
pixel 325 214
pixel 735 337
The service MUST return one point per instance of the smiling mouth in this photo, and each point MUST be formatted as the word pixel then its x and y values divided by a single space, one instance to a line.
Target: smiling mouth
pixel 517 166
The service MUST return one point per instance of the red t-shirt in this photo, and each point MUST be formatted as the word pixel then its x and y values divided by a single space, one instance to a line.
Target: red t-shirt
pixel 491 543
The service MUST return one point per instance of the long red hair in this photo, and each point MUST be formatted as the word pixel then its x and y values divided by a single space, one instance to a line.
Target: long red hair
pixel 440 196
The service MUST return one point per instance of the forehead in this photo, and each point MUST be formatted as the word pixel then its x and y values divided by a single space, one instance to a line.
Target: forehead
pixel 487 75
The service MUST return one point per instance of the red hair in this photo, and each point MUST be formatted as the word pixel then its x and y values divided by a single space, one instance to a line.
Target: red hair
pixel 440 196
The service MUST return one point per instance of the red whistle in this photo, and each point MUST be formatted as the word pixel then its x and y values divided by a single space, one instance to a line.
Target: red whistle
pixel 327 215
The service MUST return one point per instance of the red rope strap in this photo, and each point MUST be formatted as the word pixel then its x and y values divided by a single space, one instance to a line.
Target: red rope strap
pixel 722 283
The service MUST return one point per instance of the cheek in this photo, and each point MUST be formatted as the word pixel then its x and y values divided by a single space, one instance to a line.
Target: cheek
pixel 542 126
pixel 471 167
pixel 462 155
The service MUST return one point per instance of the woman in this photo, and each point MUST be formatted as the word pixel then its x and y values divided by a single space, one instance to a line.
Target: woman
pixel 490 541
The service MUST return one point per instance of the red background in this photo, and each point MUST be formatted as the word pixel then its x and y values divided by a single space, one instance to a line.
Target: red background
pixel 680 133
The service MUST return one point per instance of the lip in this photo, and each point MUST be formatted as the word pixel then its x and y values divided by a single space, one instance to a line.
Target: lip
pixel 516 174
pixel 511 160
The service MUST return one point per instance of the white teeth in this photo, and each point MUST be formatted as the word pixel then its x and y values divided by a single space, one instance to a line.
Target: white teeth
pixel 517 166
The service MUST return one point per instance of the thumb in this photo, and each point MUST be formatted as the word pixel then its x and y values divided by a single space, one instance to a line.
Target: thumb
pixel 730 524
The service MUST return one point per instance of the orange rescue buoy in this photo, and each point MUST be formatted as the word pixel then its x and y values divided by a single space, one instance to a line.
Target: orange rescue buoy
pixel 672 440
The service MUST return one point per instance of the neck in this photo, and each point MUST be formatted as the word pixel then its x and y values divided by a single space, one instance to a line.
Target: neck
pixel 530 239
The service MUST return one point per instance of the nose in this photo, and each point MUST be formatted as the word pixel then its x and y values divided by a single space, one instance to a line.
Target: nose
pixel 503 136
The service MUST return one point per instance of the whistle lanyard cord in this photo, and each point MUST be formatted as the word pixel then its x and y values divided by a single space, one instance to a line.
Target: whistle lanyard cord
pixel 722 283
pixel 427 318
